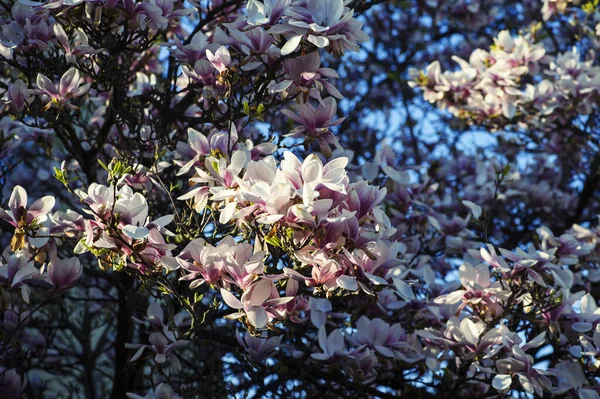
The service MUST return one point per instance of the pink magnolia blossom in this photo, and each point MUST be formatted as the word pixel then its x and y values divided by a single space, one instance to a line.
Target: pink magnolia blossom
pixel 69 87
pixel 63 273
pixel 332 345
pixel 259 348
pixel 28 219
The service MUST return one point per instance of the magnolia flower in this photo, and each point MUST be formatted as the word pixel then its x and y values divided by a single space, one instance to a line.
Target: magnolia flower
pixel 191 52
pixel 332 345
pixel 158 14
pixel 17 93
pixel 220 59
pixel 468 336
pixel 80 47
pixel 315 122
pixel 325 23
pixel 568 249
pixel 380 336
pixel 27 220
pixel 69 87
pixel 255 302
pixel 478 289
pixel 63 273
pixel 588 317
pixel 162 346
pixel 11 383
pixel 259 348
pixel 233 262
pixel 306 73
pixel 17 271
pixel 154 316
pixel 265 13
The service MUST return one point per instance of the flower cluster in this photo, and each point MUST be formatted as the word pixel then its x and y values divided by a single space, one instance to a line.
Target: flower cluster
pixel 516 81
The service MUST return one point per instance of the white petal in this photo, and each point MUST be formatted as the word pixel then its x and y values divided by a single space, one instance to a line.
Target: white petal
pixel 257 315
pixel 231 300
pixel 136 232
pixel 291 45
pixel 403 289
pixel 475 209
pixel 502 382
pixel 227 213
pixel 348 283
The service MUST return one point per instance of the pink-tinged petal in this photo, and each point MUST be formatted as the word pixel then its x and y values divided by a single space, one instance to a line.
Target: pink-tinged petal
pixel 487 257
pixel 137 354
pixel 24 273
pixel 46 85
pixel 278 301
pixel 223 54
pixel 191 194
pixel 291 45
pixel 177 344
pixel 18 199
pixel 387 352
pixel 62 37
pixel 526 383
pixel 17 92
pixel 535 342
pixel 277 11
pixel 220 60
pixel 279 87
pixel 258 293
pixel 40 208
pixel 81 90
pixel 335 341
pixel 331 89
pixel 198 142
pixel 64 273
pixel 257 315
pixel 293 116
pixel 231 300
pixel 196 283
pixel 8 217
pixel 158 341
pixel 454 297
pixel 239 160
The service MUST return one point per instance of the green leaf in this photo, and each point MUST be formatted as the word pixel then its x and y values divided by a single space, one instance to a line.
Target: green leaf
pixel 103 165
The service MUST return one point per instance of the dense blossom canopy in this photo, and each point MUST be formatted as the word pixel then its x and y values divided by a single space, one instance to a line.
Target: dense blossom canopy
pixel 299 198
